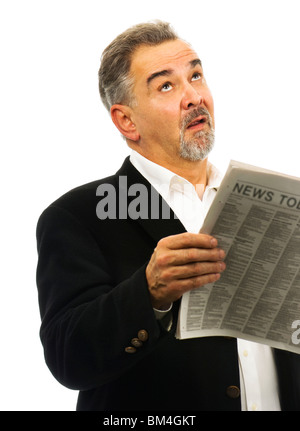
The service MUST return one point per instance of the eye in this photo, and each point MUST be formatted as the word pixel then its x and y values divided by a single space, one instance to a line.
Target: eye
pixel 167 86
pixel 196 76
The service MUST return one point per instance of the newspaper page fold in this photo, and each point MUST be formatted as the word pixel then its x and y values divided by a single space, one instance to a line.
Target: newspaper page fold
pixel 256 218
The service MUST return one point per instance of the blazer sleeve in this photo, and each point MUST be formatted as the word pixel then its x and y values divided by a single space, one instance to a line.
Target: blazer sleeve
pixel 87 321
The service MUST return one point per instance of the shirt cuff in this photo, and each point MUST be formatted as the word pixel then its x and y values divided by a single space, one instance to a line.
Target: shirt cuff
pixel 159 314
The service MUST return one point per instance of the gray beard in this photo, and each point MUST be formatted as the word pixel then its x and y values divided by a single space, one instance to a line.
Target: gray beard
pixel 198 147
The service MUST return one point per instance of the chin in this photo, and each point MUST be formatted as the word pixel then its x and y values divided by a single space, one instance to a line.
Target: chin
pixel 199 147
pixel 195 152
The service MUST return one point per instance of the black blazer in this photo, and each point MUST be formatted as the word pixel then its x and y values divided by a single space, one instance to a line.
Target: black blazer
pixel 94 300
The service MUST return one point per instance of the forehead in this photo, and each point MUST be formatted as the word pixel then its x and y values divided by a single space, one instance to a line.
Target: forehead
pixel 147 60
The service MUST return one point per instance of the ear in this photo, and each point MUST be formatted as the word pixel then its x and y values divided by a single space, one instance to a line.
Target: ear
pixel 121 117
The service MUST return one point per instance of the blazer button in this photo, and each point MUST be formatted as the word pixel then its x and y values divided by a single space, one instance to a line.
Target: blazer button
pixel 233 392
pixel 143 335
pixel 130 349
pixel 136 342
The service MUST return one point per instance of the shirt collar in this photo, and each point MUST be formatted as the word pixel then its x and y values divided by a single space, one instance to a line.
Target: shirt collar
pixel 162 178
pixel 214 177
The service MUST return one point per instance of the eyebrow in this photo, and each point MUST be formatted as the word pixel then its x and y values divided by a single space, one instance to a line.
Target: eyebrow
pixel 168 72
pixel 196 62
pixel 154 75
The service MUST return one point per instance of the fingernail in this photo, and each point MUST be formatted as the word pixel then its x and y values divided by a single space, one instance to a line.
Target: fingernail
pixel 222 254
pixel 222 266
pixel 214 242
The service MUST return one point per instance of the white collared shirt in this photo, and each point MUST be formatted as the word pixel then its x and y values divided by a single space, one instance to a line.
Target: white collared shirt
pixel 258 376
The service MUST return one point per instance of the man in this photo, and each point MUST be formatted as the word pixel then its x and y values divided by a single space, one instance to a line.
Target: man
pixel 111 271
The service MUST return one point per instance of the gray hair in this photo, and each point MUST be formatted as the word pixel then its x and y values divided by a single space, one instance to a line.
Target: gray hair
pixel 115 82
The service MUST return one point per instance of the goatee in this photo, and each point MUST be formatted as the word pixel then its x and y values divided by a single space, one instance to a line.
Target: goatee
pixel 200 145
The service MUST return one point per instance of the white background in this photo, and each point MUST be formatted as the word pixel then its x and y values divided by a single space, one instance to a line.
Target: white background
pixel 56 135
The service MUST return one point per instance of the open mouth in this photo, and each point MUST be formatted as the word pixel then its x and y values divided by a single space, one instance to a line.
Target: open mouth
pixel 198 121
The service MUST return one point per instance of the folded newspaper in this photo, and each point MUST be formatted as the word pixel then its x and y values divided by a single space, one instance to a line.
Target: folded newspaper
pixel 256 218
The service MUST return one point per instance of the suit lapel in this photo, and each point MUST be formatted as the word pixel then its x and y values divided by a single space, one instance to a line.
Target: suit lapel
pixel 163 222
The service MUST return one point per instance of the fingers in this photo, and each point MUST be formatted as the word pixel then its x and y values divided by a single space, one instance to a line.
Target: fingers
pixel 186 248
pixel 168 293
pixel 184 276
pixel 181 263
pixel 188 240
pixel 189 255
pixel 182 286
pixel 195 269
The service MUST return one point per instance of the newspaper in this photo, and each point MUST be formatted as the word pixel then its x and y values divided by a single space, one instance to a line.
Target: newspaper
pixel 256 218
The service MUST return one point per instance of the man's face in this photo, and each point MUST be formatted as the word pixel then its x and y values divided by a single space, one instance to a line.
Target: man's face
pixel 174 111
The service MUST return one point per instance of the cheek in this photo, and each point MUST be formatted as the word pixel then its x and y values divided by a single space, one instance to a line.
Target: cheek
pixel 168 128
pixel 210 104
pixel 169 117
pixel 163 121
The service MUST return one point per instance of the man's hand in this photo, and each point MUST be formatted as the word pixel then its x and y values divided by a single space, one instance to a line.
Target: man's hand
pixel 181 263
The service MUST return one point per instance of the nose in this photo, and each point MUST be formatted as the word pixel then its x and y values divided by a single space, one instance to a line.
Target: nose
pixel 191 97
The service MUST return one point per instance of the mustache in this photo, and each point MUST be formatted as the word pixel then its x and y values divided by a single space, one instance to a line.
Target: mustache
pixel 194 114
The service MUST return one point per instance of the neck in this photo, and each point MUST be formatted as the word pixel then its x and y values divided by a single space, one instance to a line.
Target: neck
pixel 194 172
